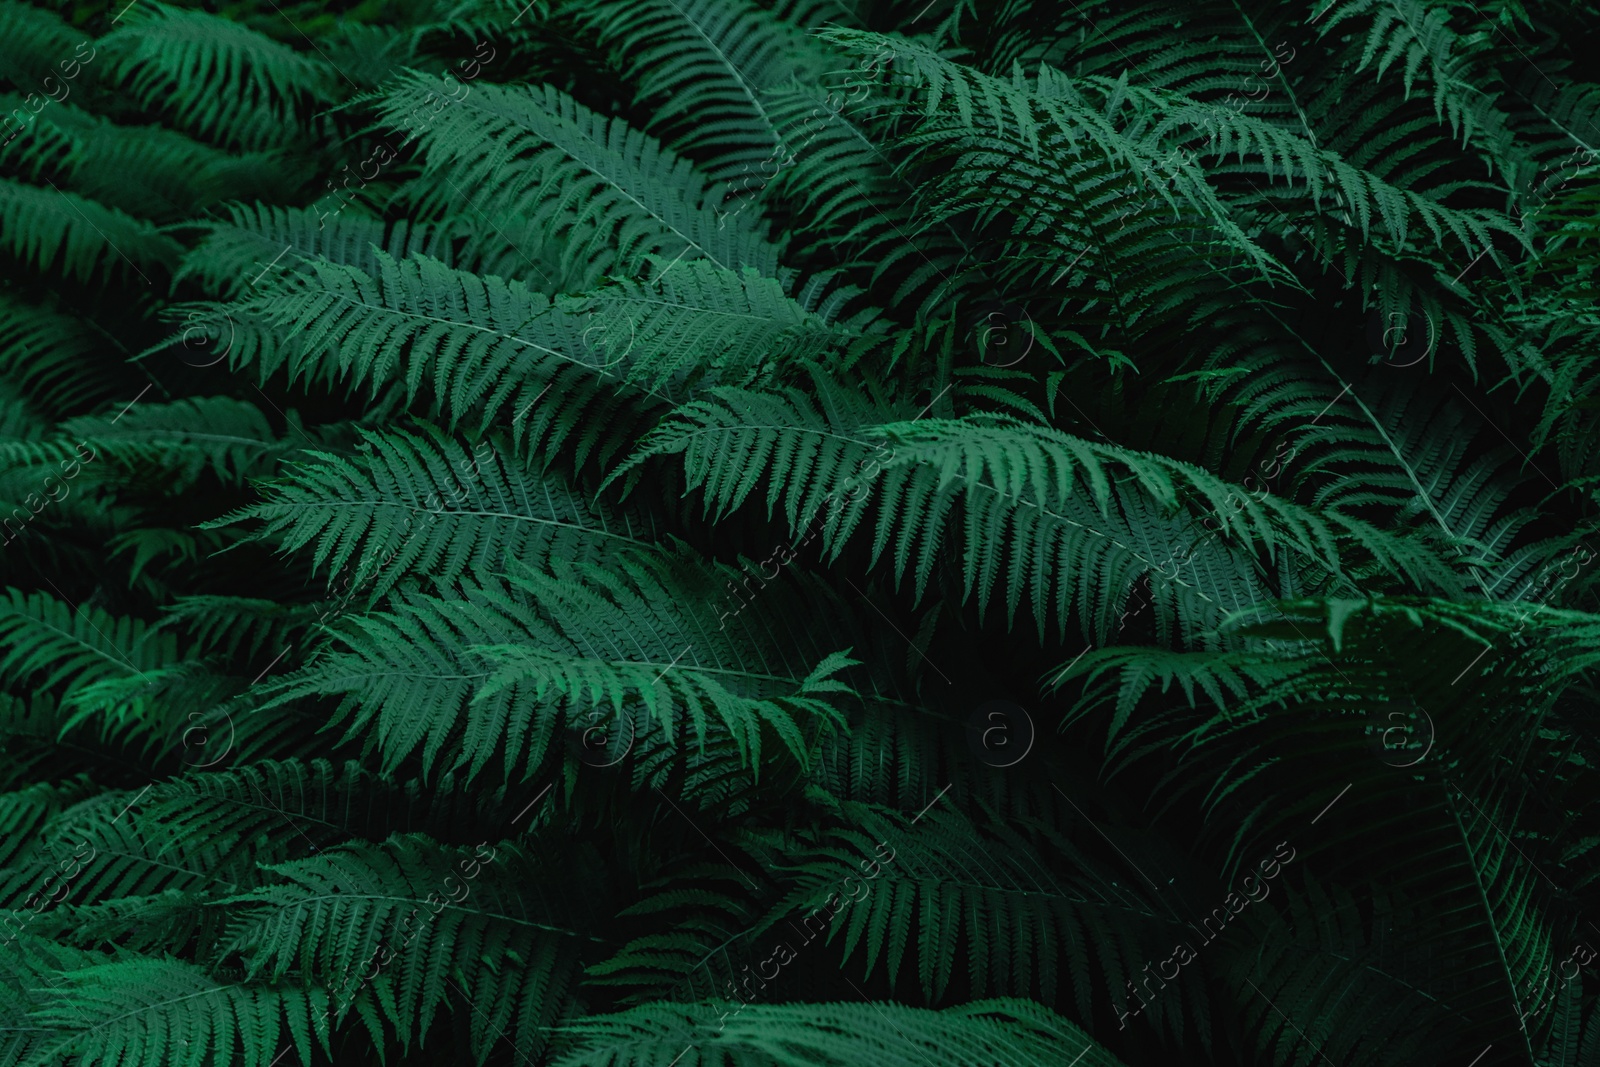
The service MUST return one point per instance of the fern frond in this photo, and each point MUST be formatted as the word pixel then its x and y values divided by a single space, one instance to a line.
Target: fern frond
pixel 415 675
pixel 493 917
pixel 706 907
pixel 409 674
pixel 140 1012
pixel 53 230
pixel 234 254
pixel 1357 667
pixel 1007 1033
pixel 24 812
pixel 530 155
pixel 148 171
pixel 238 625
pixel 215 76
pixel 707 66
pixel 689 694
pixel 1025 140
pixel 39 44
pixel 1037 508
pixel 933 894
pixel 230 438
pixel 1463 87
pixel 1322 960
pixel 48 353
pixel 428 505
pixel 52 644
pixel 485 344
pixel 844 188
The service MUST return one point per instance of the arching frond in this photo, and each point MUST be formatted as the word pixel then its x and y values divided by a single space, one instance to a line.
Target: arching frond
pixel 1037 508
pixel 491 349
pixel 1010 1033
pixel 216 77
pixel 489 671
pixel 235 255
pixel 961 885
pixel 429 505
pixel 392 926
pixel 708 67
pixel 53 230
pixel 148 171
pixel 1421 34
pixel 531 154
pixel 141 1012
pixel 51 643
pixel 40 44
pixel 43 350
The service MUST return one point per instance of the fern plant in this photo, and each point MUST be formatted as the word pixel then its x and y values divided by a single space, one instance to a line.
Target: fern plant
pixel 788 532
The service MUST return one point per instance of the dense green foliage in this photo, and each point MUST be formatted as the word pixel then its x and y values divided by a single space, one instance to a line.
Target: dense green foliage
pixel 778 532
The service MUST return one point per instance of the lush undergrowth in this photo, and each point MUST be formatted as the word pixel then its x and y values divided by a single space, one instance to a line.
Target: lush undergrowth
pixel 848 532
